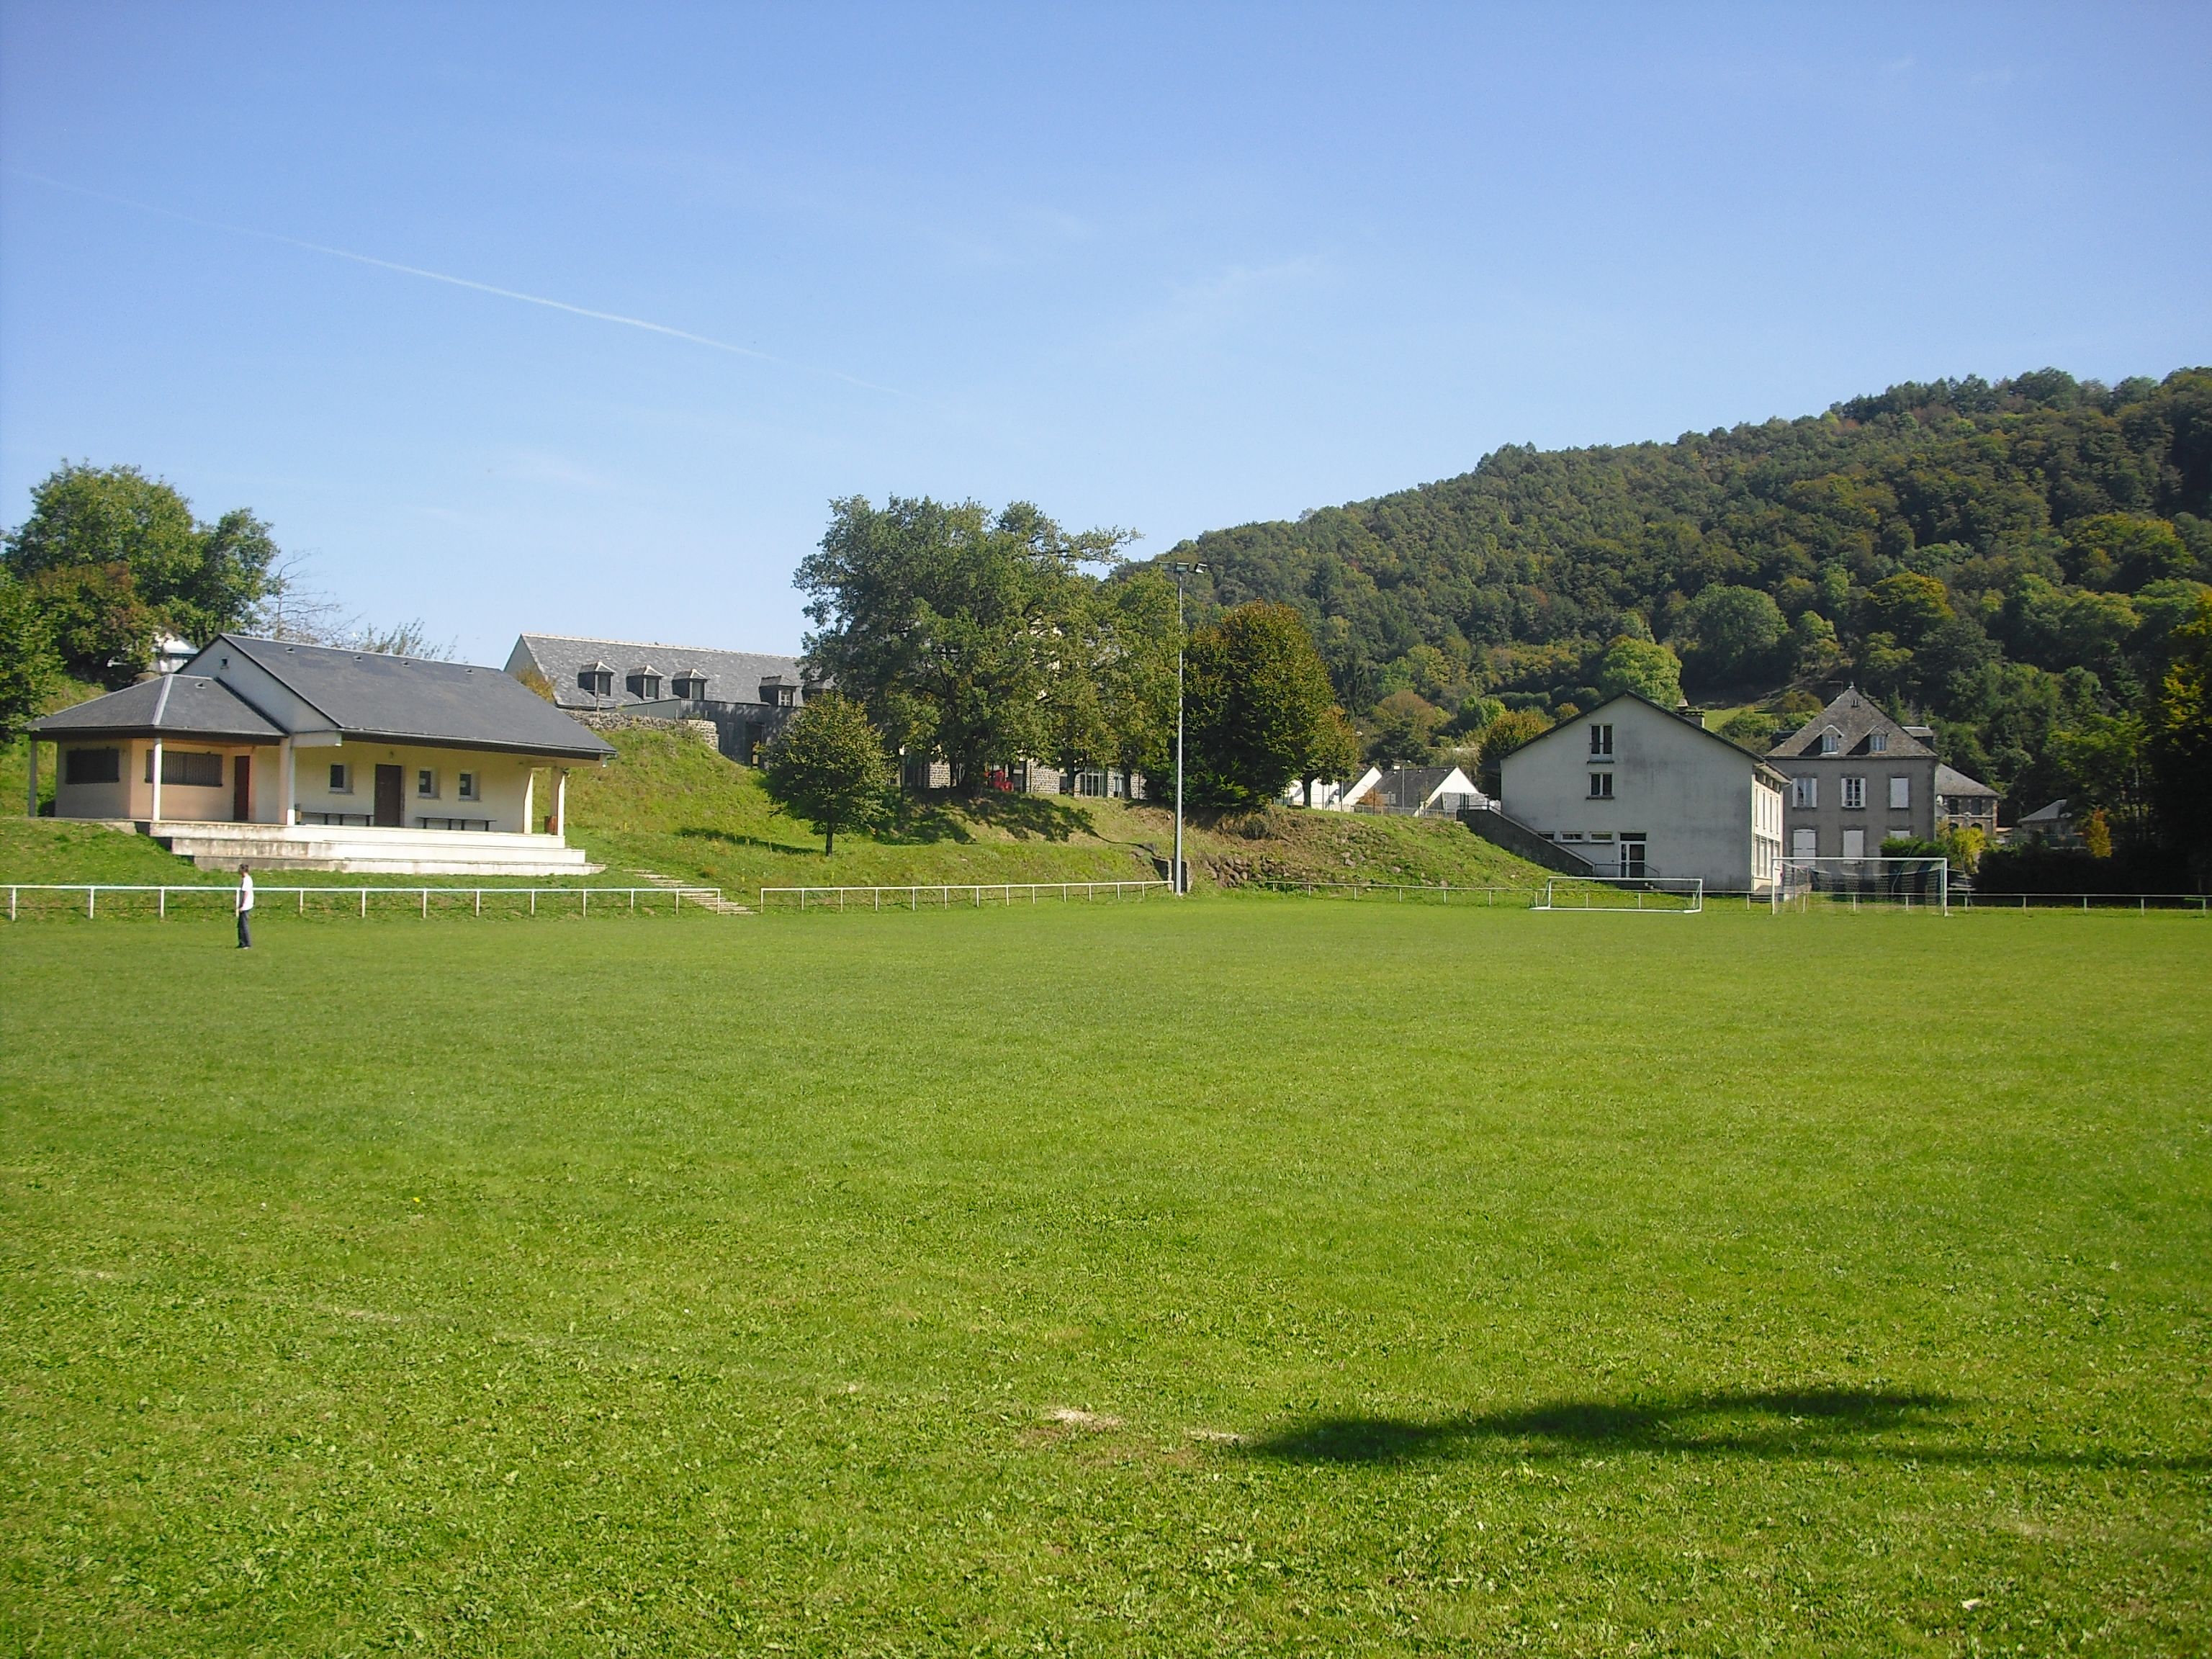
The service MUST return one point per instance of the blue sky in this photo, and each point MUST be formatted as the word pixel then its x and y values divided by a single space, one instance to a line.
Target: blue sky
pixel 1170 268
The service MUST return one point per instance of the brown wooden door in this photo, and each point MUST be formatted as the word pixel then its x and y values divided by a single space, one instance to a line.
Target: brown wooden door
pixel 241 789
pixel 389 810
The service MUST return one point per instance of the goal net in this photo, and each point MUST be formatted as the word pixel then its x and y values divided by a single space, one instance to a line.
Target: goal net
pixel 1915 883
pixel 1658 896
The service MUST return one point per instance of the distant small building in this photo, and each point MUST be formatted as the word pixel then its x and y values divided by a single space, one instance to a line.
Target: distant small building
pixel 749 695
pixel 1964 803
pixel 1856 778
pixel 1640 792
pixel 2052 825
pixel 1414 791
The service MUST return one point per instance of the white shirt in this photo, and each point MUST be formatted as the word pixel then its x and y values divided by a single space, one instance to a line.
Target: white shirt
pixel 245 891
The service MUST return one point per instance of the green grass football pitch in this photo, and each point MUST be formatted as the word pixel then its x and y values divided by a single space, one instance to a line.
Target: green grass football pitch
pixel 1249 1275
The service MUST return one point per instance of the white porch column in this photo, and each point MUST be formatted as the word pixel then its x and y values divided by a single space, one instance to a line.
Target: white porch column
pixel 289 815
pixel 530 802
pixel 561 807
pixel 156 769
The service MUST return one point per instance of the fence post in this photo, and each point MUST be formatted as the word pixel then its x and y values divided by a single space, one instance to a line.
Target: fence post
pixel 533 901
pixel 161 904
pixel 587 892
pixel 91 901
pixel 364 904
pixel 426 905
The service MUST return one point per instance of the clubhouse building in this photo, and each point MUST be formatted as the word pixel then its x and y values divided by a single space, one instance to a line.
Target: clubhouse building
pixel 300 756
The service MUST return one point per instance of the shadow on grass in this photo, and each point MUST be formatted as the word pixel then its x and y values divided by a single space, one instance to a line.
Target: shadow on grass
pixel 1824 1423
pixel 945 817
pixel 730 838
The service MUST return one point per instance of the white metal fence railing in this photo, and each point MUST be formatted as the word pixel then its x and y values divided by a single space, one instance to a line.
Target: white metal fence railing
pixel 2142 903
pixel 357 898
pixel 1442 892
pixel 942 895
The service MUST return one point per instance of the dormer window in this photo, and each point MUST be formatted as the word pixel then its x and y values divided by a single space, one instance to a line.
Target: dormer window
pixel 644 684
pixel 778 693
pixel 1831 741
pixel 596 680
pixel 1877 743
pixel 690 684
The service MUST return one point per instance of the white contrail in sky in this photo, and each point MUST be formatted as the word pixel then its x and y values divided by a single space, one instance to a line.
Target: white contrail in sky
pixel 456 282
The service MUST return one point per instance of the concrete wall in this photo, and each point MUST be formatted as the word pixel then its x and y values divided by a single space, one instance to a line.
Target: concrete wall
pixel 1689 794
pixel 132 796
pixel 501 783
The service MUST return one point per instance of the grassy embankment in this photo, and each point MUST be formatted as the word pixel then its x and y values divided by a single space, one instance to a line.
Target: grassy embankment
pixel 674 807
pixel 1259 1276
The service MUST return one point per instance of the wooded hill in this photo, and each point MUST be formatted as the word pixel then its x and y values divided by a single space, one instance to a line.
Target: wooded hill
pixel 2005 560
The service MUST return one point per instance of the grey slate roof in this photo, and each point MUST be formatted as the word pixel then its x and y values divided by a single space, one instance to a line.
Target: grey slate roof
pixel 1949 781
pixel 732 676
pixel 1856 716
pixel 359 694
pixel 167 705
pixel 370 695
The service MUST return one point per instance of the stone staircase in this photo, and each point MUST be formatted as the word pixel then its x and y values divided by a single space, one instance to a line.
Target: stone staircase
pixel 693 893
pixel 368 851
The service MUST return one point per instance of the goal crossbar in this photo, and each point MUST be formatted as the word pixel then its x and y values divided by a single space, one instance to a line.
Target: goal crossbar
pixel 1902 882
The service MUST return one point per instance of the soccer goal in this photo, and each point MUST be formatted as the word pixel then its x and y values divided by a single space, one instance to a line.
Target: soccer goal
pixel 1919 884
pixel 1656 896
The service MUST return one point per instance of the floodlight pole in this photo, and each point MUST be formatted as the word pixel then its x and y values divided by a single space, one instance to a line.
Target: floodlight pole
pixel 1181 884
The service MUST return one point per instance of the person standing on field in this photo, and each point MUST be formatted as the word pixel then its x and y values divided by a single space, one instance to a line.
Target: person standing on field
pixel 245 908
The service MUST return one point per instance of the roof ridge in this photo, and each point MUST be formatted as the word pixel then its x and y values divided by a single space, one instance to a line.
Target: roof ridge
pixel 659 645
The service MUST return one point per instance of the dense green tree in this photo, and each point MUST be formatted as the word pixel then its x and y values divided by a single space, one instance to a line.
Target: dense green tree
pixel 1406 725
pixel 1511 729
pixel 88 523
pixel 30 667
pixel 2181 740
pixel 1734 634
pixel 951 625
pixel 830 768
pixel 1334 756
pixel 1257 702
pixel 1648 670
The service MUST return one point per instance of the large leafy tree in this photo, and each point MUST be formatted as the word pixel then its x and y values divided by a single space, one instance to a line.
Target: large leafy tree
pixel 117 556
pixel 1257 702
pixel 1735 634
pixel 29 666
pixel 1639 665
pixel 951 624
pixel 1405 727
pixel 2181 742
pixel 828 766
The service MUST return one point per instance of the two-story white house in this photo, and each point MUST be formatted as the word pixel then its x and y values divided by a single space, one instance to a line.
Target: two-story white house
pixel 1641 792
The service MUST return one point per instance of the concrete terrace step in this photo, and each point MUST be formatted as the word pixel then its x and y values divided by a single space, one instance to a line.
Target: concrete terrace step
pixel 371 851
pixel 720 907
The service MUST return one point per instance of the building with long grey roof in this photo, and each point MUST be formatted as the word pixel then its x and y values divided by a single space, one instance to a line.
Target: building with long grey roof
pixel 748 695
pixel 310 756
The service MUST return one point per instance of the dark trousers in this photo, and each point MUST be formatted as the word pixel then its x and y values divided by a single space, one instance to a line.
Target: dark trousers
pixel 246 930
